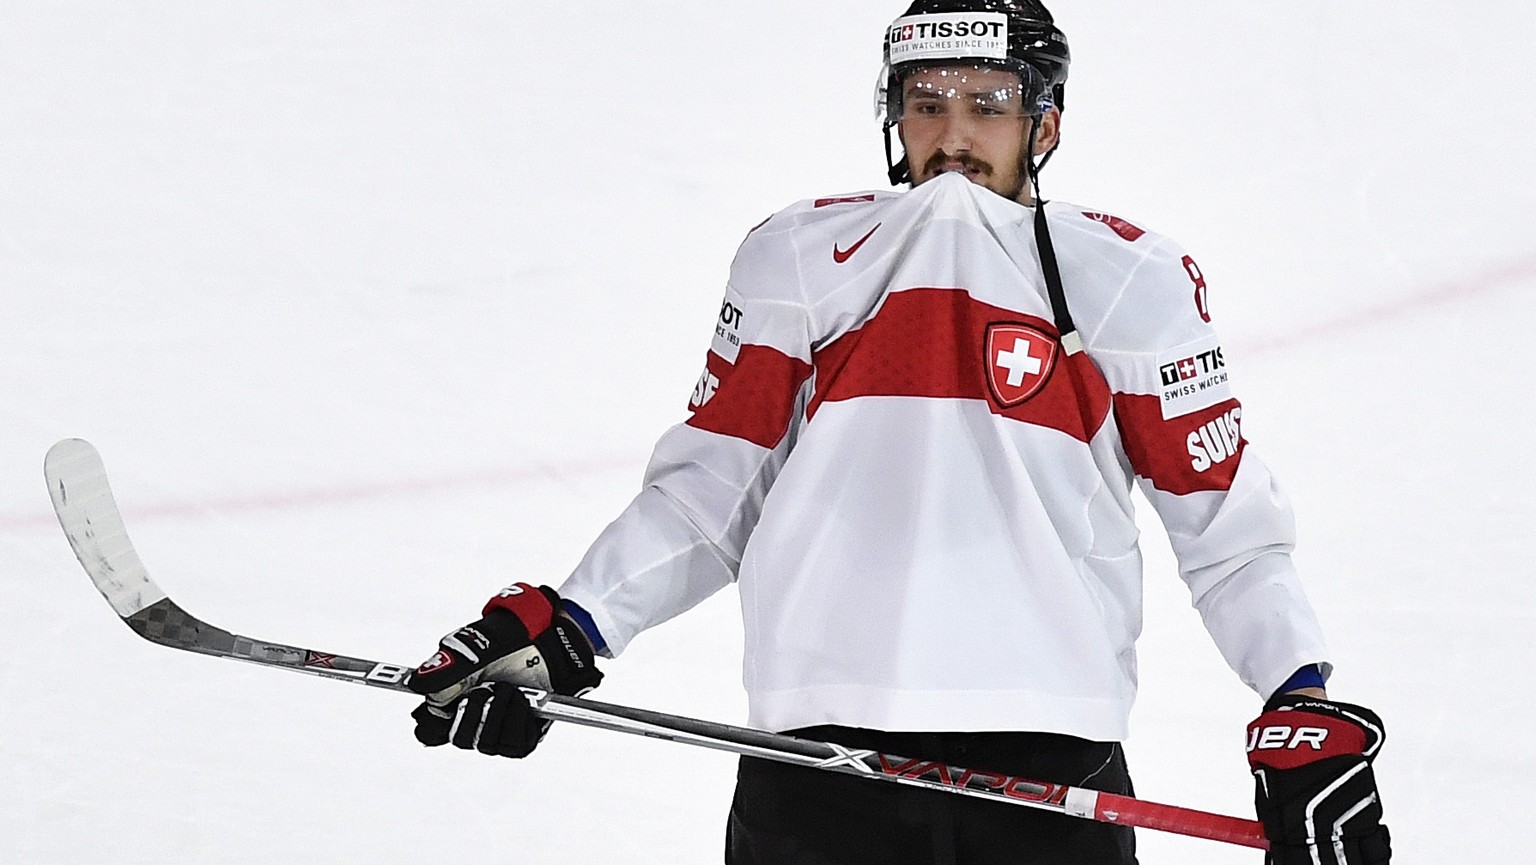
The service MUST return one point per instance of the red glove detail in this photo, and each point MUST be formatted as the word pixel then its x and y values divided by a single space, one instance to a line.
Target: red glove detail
pixel 1288 738
pixel 534 608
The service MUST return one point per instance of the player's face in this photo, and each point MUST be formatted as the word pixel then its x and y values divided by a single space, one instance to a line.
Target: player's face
pixel 973 120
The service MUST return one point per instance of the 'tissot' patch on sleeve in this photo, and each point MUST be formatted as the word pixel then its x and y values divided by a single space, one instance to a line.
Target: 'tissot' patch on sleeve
pixel 728 327
pixel 1192 376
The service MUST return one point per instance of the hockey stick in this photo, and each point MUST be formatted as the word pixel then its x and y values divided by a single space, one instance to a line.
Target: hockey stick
pixel 77 482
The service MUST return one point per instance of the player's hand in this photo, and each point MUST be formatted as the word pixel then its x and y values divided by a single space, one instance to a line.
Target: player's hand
pixel 521 640
pixel 1314 788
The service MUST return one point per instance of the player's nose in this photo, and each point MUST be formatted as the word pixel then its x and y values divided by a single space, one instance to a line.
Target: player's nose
pixel 957 134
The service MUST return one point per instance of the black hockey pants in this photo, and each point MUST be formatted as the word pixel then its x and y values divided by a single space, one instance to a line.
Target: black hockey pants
pixel 789 815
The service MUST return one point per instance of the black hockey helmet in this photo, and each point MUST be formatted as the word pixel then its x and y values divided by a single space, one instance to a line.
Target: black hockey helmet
pixel 1018 35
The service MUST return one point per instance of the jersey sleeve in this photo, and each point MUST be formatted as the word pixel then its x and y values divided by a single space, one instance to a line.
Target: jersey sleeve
pixel 681 539
pixel 1181 426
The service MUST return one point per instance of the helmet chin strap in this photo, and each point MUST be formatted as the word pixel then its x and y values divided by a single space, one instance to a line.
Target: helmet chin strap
pixel 898 171
pixel 1070 340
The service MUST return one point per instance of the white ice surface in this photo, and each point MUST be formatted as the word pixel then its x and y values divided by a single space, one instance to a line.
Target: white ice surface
pixel 373 307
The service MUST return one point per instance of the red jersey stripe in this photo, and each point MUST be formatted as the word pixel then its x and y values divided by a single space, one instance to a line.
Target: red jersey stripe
pixel 932 342
pixel 754 399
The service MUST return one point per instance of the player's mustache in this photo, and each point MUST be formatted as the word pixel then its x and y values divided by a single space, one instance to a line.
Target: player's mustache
pixel 965 160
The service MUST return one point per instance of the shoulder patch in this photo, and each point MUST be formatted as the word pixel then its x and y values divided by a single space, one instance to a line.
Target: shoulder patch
pixel 1192 377
pixel 851 199
pixel 1127 231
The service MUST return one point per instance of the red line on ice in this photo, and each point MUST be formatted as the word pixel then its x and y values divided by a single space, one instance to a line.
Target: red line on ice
pixel 345 494
pixel 1450 291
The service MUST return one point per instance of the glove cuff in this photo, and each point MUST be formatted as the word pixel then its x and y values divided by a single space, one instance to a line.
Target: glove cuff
pixel 572 667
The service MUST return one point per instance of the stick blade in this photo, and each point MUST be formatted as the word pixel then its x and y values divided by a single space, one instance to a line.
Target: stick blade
pixel 82 499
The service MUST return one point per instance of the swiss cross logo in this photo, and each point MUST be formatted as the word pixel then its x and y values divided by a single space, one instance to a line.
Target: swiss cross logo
pixel 436 662
pixel 1187 369
pixel 1019 361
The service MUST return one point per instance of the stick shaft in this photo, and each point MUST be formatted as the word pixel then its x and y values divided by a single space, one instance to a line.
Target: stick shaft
pixel 88 513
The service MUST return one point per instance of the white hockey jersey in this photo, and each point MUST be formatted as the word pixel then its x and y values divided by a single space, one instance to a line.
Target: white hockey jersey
pixel 925 499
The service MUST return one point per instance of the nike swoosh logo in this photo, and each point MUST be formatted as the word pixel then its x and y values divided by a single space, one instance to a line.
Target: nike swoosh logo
pixel 841 255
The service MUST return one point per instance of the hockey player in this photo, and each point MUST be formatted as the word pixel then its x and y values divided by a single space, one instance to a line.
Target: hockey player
pixel 912 448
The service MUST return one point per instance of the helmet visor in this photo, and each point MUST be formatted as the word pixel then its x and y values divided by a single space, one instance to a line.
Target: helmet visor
pixel 981 92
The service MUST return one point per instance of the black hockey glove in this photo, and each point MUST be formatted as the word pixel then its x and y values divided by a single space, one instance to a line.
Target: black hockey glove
pixel 521 640
pixel 492 718
pixel 1314 788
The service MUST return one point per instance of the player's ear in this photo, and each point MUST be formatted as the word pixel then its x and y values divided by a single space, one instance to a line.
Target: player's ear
pixel 1050 131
